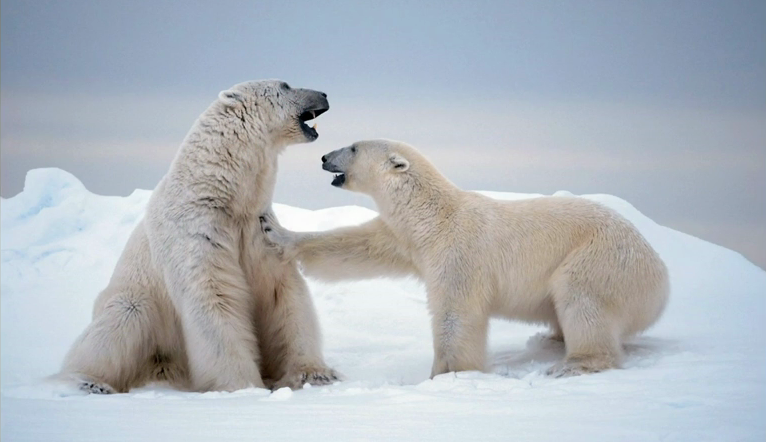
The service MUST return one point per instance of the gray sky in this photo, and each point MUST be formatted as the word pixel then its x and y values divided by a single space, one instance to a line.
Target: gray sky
pixel 662 103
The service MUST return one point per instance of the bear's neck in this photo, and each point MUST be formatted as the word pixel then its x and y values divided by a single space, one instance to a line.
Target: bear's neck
pixel 419 205
pixel 234 175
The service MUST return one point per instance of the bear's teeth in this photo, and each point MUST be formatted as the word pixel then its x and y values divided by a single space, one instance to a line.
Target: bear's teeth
pixel 314 126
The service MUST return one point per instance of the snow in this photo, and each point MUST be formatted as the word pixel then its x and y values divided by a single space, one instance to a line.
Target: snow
pixel 699 374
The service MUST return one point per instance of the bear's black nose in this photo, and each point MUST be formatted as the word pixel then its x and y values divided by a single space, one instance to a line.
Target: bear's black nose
pixel 324 158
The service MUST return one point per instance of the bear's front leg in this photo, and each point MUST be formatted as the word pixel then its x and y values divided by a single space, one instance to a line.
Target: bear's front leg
pixel 459 331
pixel 293 323
pixel 207 286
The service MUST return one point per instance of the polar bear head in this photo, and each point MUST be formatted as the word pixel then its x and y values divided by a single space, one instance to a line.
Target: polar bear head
pixel 374 166
pixel 273 111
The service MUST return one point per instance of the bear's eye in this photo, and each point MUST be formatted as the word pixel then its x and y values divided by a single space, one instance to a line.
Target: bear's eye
pixel 353 149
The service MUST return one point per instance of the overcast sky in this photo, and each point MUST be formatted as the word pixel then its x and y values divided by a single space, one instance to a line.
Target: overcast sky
pixel 662 103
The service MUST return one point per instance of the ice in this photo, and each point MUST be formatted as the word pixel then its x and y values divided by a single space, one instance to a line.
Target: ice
pixel 699 374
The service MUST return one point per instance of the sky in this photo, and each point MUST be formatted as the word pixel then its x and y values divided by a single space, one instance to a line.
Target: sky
pixel 660 103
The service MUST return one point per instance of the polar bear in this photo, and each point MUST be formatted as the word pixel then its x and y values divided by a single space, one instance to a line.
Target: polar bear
pixel 196 299
pixel 566 262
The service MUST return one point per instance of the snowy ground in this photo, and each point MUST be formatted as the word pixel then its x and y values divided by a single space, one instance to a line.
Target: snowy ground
pixel 697 375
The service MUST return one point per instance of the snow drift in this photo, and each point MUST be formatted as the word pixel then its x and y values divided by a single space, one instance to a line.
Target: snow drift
pixel 699 374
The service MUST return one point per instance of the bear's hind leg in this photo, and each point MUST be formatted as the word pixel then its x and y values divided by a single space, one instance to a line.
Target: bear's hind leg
pixel 110 355
pixel 591 338
pixel 170 369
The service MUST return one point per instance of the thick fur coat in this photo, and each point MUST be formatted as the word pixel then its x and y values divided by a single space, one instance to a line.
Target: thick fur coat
pixel 569 263
pixel 196 299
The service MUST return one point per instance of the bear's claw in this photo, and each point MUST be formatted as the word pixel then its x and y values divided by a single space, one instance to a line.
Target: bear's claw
pixel 313 376
pixel 275 236
pixel 96 388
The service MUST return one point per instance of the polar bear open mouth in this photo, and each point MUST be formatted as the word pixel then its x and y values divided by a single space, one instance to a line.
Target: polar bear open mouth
pixel 339 176
pixel 308 115
pixel 338 179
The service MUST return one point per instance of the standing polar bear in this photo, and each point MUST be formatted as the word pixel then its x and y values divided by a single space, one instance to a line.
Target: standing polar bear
pixel 566 262
pixel 196 299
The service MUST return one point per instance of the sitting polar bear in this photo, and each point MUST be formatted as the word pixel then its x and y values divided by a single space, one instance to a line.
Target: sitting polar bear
pixel 566 262
pixel 196 299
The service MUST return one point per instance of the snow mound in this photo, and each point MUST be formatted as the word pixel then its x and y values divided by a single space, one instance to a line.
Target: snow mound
pixel 697 375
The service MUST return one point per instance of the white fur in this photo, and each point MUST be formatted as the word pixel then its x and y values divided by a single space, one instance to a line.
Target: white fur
pixel 572 264
pixel 196 299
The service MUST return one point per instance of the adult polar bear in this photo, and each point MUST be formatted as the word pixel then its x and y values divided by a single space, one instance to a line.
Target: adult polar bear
pixel 196 299
pixel 566 262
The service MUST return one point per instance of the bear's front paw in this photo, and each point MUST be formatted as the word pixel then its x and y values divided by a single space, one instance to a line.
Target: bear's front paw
pixel 311 375
pixel 96 387
pixel 575 366
pixel 275 236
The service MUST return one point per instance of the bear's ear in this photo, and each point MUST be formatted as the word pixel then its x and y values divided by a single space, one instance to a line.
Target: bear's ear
pixel 398 163
pixel 231 97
